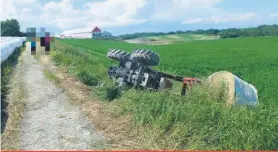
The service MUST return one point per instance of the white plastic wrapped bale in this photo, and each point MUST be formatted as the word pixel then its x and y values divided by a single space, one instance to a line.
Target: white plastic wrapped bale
pixel 239 92
pixel 9 44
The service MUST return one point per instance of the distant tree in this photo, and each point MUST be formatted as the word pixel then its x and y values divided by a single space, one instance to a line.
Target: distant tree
pixel 262 30
pixel 172 32
pixel 199 31
pixel 179 32
pixel 230 33
pixel 212 31
pixel 10 28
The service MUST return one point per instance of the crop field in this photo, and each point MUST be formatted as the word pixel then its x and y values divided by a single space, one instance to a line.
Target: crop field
pixel 170 39
pixel 253 59
pixel 200 120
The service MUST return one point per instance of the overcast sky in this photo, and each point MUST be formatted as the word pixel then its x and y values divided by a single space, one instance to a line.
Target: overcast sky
pixel 129 16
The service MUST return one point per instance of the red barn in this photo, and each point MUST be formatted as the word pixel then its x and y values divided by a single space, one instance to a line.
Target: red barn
pixel 96 32
pixel 62 36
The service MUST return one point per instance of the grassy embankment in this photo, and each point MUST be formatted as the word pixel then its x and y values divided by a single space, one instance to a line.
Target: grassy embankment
pixel 6 70
pixel 201 120
pixel 11 106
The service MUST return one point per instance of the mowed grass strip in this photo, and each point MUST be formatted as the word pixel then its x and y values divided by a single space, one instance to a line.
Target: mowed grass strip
pixel 176 38
pixel 200 120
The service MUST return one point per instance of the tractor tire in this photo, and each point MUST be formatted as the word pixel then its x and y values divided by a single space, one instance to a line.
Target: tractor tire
pixel 118 55
pixel 147 56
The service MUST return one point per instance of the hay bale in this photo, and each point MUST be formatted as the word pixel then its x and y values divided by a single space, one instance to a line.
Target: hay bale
pixel 224 79
pixel 237 91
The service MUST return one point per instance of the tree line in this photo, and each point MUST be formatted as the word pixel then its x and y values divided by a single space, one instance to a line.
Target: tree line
pixel 262 30
pixel 11 27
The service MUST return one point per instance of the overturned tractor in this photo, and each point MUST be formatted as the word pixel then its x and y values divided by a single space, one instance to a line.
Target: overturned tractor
pixel 134 70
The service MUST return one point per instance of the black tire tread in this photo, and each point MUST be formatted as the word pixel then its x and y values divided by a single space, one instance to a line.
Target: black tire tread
pixel 117 54
pixel 149 57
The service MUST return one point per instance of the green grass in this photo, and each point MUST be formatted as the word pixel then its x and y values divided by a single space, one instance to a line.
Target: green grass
pixel 200 120
pixel 50 76
pixel 7 68
pixel 253 59
pixel 83 64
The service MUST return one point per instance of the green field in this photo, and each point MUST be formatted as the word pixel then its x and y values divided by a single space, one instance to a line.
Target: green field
pixel 253 59
pixel 200 120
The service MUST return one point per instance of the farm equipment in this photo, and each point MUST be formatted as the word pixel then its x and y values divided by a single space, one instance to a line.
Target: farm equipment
pixel 134 70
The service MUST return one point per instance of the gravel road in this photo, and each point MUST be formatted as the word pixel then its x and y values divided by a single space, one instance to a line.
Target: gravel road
pixel 50 122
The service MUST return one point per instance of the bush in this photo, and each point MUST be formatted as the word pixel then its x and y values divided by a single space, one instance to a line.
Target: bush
pixel 108 91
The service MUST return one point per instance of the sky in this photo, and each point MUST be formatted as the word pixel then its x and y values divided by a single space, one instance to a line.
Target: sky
pixel 130 16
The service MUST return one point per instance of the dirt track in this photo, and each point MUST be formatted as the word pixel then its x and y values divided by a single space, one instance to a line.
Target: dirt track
pixel 49 121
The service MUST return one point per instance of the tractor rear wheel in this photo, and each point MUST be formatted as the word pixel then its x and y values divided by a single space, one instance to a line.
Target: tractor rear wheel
pixel 118 55
pixel 147 56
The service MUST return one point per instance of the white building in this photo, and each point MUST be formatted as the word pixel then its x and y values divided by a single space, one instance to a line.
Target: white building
pixel 106 34
pixel 85 33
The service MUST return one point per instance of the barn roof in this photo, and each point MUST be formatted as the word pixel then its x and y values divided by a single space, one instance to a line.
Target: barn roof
pixel 96 29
